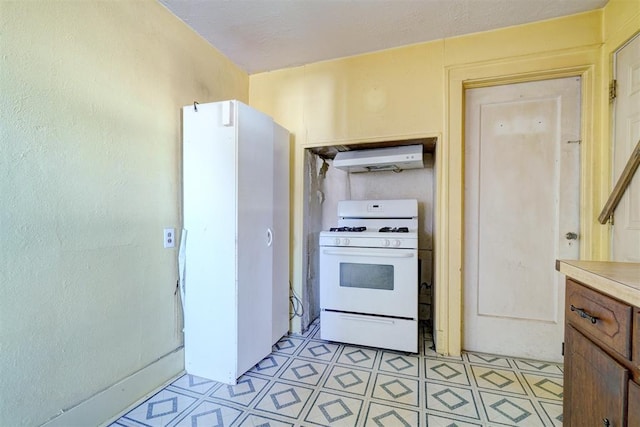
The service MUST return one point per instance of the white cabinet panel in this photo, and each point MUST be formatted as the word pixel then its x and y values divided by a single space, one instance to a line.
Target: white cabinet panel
pixel 280 301
pixel 254 243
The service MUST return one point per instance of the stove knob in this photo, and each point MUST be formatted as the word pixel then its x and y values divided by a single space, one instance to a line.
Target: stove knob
pixel 385 242
pixel 345 242
pixel 396 243
pixel 336 241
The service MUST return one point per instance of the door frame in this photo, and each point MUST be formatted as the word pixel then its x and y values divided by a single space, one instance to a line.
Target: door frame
pixel 449 218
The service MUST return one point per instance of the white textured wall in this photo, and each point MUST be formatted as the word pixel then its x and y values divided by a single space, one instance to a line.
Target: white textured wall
pixel 89 175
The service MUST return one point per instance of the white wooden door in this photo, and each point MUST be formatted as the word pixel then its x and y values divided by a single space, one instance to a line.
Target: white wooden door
pixel 254 235
pixel 625 245
pixel 280 296
pixel 209 150
pixel 521 199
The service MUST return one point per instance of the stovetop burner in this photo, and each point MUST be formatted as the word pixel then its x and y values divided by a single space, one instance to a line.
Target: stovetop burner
pixel 394 230
pixel 351 229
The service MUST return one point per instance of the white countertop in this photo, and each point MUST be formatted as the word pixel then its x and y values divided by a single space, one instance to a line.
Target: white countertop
pixel 620 280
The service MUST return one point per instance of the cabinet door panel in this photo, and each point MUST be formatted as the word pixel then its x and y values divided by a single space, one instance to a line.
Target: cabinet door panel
pixel 634 405
pixel 280 233
pixel 255 216
pixel 635 341
pixel 210 277
pixel 597 384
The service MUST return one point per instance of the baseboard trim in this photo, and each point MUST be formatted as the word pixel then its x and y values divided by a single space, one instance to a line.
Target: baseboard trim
pixel 104 407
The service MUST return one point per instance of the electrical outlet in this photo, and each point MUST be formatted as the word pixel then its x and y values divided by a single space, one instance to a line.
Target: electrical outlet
pixel 169 237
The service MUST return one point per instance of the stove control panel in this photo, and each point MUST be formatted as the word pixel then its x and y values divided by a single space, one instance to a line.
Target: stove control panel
pixel 391 242
pixel 408 240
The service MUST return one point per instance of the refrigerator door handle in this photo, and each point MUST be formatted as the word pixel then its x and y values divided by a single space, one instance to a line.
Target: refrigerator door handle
pixel 269 237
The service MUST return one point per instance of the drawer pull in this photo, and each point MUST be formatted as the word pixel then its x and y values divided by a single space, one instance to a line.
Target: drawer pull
pixel 606 422
pixel 368 319
pixel 584 315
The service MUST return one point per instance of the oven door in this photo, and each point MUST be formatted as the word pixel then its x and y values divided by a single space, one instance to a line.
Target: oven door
pixel 370 281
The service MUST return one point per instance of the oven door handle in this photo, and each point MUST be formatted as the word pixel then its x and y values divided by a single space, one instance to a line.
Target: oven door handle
pixel 367 319
pixel 368 254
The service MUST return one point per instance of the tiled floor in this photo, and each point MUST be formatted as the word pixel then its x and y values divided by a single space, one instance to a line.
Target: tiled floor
pixel 309 382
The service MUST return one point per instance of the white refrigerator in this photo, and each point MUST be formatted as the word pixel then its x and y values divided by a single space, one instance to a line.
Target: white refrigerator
pixel 236 216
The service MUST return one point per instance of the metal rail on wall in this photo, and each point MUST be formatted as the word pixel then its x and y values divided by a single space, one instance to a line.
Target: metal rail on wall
pixel 621 185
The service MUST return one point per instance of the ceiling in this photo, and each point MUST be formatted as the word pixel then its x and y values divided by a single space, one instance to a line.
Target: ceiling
pixel 265 35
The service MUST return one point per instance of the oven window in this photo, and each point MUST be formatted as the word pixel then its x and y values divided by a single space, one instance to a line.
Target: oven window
pixel 367 276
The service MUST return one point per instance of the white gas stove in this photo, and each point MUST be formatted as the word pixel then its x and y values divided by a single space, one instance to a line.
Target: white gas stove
pixel 369 275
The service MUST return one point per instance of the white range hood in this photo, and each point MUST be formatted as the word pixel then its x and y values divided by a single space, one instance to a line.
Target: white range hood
pixel 380 159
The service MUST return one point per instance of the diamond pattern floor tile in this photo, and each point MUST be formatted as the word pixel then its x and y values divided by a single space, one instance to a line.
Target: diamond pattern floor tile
pixel 253 420
pixel 545 387
pixel 488 359
pixel 542 368
pixel 304 371
pixel 243 393
pixel 160 409
pixel 450 399
pixel 285 399
pixel 288 345
pixel 349 380
pixel 497 379
pixel 380 415
pixel 358 356
pixel 554 412
pixel 444 421
pixel 307 382
pixel 397 363
pixel 270 365
pixel 446 371
pixel 209 414
pixel 509 410
pixel 332 410
pixel 396 389
pixel 195 384
pixel 319 350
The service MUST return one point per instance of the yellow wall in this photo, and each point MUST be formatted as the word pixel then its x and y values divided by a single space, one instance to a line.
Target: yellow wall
pixel 90 174
pixel 419 89
pixel 90 166
pixel 368 96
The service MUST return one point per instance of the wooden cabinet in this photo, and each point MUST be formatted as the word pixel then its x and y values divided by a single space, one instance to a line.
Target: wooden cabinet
pixel 601 360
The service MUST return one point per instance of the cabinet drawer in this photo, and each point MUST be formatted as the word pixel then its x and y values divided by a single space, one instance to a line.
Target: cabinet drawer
pixel 372 331
pixel 600 317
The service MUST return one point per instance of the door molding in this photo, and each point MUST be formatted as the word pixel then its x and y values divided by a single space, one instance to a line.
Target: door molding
pixel 449 215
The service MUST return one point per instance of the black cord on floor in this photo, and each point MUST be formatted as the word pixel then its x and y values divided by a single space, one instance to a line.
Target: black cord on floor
pixel 297 309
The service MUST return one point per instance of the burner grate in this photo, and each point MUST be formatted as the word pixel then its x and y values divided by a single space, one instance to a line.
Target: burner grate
pixel 350 229
pixel 394 230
